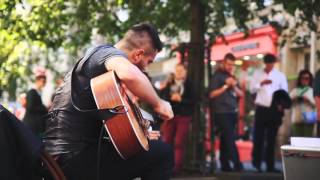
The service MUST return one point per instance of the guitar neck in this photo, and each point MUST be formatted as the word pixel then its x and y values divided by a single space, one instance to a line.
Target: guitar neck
pixel 146 115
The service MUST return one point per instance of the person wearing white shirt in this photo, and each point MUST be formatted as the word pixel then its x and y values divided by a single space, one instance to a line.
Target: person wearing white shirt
pixel 267 121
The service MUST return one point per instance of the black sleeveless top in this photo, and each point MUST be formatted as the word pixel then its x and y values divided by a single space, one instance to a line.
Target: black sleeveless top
pixel 73 121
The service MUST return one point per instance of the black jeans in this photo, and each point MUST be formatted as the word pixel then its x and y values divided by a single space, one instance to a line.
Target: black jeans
pixel 266 125
pixel 155 164
pixel 225 123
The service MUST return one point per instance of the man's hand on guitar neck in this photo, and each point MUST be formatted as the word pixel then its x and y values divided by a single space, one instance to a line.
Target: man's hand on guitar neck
pixel 164 110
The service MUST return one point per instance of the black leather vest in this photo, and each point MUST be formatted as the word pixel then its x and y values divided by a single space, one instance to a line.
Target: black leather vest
pixel 73 121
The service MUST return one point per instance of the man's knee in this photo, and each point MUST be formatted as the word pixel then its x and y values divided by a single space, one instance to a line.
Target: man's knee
pixel 167 150
pixel 166 153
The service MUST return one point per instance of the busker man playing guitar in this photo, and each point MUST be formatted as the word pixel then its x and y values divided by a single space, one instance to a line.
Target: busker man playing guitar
pixel 74 125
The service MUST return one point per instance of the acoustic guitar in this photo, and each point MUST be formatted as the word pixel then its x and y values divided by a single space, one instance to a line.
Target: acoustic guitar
pixel 127 129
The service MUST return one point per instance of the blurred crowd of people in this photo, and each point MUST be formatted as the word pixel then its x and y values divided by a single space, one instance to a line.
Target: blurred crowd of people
pixel 272 97
pixel 270 89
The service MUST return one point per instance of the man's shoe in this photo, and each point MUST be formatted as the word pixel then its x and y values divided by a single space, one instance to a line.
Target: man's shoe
pixel 257 167
pixel 273 170
pixel 238 167
pixel 226 169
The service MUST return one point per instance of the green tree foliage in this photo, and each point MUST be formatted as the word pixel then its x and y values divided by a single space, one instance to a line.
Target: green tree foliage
pixel 46 24
pixel 309 10
pixel 51 24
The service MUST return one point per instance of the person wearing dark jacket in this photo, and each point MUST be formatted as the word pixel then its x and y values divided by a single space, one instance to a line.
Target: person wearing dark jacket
pixel 180 96
pixel 224 91
pixel 35 109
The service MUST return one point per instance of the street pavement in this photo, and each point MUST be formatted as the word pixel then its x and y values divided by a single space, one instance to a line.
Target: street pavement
pixel 236 176
pixel 249 173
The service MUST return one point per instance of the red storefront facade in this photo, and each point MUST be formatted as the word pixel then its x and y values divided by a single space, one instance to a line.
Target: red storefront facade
pixel 259 41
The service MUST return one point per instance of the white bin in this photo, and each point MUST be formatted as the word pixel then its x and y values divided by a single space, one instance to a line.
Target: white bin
pixel 300 163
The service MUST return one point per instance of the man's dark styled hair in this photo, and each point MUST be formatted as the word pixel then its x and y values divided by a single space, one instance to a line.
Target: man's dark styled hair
pixel 229 56
pixel 151 31
pixel 269 58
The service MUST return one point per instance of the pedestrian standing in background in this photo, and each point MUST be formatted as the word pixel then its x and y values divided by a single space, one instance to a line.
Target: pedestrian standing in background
pixel 35 109
pixel 180 96
pixel 224 93
pixel 303 101
pixel 21 110
pixel 267 119
pixel 316 93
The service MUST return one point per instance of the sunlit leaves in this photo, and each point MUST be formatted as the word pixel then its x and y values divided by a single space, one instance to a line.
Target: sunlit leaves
pixel 68 24
pixel 310 10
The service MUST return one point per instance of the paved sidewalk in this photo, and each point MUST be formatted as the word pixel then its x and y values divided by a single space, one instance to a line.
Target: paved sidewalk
pixel 248 174
pixel 196 178
pixel 237 176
